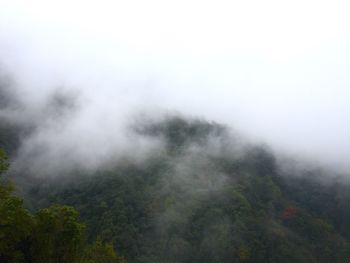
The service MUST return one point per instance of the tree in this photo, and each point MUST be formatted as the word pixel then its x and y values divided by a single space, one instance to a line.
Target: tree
pixel 58 235
pixel 15 222
pixel 4 164
pixel 103 252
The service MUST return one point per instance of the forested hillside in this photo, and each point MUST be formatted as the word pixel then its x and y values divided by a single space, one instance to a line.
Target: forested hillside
pixel 174 131
pixel 204 196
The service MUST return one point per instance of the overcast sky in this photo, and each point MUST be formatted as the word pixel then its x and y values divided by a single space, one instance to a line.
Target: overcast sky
pixel 278 71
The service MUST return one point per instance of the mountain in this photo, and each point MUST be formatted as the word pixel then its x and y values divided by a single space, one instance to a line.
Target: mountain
pixel 204 195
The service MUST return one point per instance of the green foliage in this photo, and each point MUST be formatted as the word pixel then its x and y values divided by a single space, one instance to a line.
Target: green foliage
pixel 57 236
pixel 3 161
pixel 16 226
pixel 10 135
pixel 102 252
pixel 15 222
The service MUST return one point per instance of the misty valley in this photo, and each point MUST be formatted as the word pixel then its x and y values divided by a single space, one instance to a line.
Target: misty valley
pixel 201 193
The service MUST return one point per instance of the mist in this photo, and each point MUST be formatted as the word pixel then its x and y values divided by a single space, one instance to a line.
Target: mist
pixel 80 73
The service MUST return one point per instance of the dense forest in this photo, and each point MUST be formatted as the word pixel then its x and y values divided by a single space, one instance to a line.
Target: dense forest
pixel 205 196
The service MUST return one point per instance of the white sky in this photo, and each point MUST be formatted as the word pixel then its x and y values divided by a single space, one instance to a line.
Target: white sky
pixel 276 70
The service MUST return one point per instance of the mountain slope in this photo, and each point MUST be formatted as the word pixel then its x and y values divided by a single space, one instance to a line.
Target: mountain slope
pixel 207 197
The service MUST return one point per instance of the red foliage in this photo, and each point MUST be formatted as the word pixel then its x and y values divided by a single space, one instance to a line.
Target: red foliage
pixel 289 212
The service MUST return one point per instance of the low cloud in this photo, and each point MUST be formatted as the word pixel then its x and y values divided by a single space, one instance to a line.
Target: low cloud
pixel 259 70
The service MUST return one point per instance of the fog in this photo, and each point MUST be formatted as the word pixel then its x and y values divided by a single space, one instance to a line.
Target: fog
pixel 276 72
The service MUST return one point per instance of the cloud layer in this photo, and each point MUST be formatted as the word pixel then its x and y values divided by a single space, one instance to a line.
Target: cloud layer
pixel 275 71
